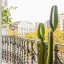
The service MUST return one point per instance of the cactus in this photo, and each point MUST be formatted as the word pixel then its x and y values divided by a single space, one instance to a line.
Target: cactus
pixel 53 25
pixel 41 32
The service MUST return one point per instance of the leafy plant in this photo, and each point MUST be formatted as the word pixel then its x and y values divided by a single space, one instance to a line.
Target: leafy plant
pixel 6 16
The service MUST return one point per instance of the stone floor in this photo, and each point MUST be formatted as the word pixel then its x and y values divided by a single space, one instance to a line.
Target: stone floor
pixel 5 63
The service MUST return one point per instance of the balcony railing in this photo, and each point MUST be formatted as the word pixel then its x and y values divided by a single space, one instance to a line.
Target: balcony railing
pixel 18 50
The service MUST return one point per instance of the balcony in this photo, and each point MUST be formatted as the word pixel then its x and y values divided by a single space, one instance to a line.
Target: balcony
pixel 18 50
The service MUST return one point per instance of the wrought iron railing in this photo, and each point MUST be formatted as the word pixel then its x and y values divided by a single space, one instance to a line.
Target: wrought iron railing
pixel 18 50
pixel 59 54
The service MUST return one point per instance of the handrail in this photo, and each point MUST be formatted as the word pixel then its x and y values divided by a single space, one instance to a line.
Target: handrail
pixel 18 50
pixel 57 60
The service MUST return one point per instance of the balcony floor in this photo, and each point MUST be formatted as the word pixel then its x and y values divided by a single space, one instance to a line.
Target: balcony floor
pixel 5 63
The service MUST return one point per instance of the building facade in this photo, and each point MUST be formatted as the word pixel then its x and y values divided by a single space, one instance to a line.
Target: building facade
pixel 47 24
pixel 36 25
pixel 61 21
pixel 23 27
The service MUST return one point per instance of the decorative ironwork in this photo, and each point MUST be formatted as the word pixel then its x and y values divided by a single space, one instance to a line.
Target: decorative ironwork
pixel 17 50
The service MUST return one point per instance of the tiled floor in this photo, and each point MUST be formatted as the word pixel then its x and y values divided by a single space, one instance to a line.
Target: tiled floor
pixel 4 63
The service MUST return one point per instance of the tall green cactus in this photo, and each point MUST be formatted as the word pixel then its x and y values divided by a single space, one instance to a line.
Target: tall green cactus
pixel 41 32
pixel 53 25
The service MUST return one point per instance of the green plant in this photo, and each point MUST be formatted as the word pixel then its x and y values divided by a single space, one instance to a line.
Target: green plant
pixel 41 32
pixel 53 26
pixel 6 16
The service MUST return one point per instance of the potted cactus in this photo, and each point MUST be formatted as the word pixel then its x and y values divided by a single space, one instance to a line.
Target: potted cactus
pixel 41 32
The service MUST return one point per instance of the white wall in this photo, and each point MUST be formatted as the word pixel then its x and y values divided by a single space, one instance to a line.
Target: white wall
pixel 0 35
pixel 4 31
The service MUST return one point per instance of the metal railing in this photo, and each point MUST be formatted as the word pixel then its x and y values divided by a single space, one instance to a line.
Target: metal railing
pixel 18 50
pixel 59 54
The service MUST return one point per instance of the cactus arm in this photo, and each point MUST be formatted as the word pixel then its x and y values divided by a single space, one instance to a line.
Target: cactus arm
pixel 41 31
pixel 41 58
pixel 54 17
pixel 50 49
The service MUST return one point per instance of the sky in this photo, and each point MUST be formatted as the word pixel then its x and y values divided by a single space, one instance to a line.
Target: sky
pixel 34 10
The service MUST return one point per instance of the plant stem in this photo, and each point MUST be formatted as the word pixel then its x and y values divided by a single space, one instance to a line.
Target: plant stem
pixel 50 48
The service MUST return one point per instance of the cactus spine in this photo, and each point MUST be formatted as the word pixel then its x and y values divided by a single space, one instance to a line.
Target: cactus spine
pixel 53 25
pixel 41 32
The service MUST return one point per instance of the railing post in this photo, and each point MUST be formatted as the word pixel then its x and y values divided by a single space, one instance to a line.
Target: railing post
pixel 56 50
pixel 0 34
pixel 14 49
pixel 32 54
pixel 27 51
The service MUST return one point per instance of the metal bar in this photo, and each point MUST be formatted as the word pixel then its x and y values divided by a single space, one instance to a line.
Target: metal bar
pixel 56 48
pixel 7 49
pixel 27 51
pixel 32 54
pixel 10 49
pixel 14 48
pixel 24 51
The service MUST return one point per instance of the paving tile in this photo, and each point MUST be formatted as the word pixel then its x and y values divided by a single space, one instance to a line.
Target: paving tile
pixel 5 63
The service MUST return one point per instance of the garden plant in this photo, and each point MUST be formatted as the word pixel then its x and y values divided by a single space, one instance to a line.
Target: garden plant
pixel 41 33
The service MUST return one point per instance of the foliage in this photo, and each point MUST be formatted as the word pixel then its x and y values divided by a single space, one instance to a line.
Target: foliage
pixel 12 33
pixel 58 35
pixel 6 16
pixel 31 35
